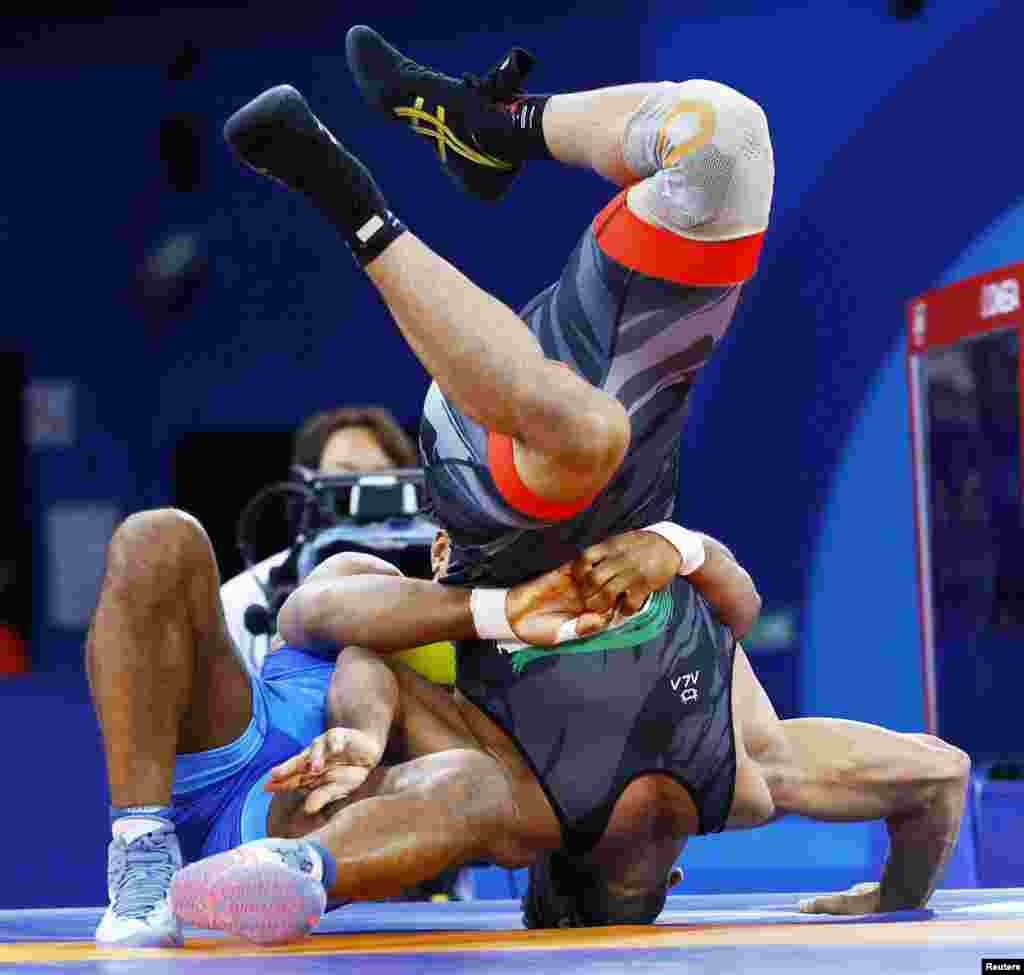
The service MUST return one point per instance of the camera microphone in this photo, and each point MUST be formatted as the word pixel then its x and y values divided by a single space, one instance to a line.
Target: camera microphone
pixel 258 620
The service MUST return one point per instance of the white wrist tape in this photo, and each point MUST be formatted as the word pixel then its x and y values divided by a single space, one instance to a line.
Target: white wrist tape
pixel 566 632
pixel 688 544
pixel 488 609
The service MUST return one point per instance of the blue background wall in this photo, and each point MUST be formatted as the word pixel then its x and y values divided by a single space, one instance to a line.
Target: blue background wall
pixel 892 176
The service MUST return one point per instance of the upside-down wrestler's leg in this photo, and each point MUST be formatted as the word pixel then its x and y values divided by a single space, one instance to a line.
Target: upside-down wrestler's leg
pixel 570 437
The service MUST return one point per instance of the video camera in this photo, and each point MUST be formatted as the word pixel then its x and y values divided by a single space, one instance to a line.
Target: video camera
pixel 376 513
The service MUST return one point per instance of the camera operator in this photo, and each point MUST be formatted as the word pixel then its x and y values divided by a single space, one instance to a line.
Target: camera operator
pixel 347 440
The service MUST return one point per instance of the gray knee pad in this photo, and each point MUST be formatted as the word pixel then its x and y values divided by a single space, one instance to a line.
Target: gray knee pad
pixel 706 152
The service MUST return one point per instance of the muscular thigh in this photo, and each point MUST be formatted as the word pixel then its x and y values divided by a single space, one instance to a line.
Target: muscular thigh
pixel 221 702
pixel 221 707
pixel 428 719
pixel 427 723
pixel 641 340
pixel 441 742
pixel 162 572
pixel 436 719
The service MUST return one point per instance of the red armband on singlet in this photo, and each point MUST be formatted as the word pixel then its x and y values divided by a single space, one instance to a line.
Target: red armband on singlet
pixel 502 464
pixel 660 253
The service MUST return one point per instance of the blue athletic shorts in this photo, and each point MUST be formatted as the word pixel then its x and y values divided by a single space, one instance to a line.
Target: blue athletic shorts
pixel 218 800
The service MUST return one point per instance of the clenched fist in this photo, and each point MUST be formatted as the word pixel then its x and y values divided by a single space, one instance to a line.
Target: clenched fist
pixel 608 582
pixel 623 571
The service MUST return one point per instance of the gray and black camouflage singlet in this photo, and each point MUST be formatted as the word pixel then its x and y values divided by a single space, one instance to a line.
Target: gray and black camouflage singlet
pixel 589 724
pixel 641 339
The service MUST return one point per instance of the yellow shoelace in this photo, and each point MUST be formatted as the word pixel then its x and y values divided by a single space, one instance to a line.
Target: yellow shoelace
pixel 433 127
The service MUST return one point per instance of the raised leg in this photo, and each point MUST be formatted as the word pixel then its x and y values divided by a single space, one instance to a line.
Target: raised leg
pixel 588 128
pixel 162 671
pixel 569 436
pixel 697 158
pixel 164 679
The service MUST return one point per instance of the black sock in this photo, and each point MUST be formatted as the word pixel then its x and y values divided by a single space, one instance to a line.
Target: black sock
pixel 516 131
pixel 348 196
pixel 528 117
pixel 372 238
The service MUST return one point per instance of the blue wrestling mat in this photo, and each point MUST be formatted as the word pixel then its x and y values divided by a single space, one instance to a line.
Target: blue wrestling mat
pixel 761 933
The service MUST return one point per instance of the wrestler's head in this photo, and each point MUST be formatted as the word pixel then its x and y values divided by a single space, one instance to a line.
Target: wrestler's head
pixel 564 892
pixel 440 550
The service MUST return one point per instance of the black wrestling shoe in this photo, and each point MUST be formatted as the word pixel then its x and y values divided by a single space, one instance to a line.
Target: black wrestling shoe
pixel 277 135
pixel 469 121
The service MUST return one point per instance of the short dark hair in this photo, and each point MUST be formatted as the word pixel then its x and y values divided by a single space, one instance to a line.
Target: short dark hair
pixel 563 891
pixel 312 436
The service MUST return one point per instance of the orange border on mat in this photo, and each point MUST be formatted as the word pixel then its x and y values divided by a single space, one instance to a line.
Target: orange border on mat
pixel 934 933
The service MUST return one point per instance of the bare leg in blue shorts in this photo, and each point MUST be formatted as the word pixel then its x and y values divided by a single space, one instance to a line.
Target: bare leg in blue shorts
pixel 165 679
pixel 188 734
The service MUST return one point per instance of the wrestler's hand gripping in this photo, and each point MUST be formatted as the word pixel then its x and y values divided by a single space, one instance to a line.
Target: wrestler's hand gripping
pixel 333 766
pixel 608 582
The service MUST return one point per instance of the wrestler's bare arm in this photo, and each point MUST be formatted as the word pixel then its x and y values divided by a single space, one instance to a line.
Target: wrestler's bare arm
pixel 922 838
pixel 363 696
pixel 354 599
pixel 849 771
pixel 384 613
pixel 728 587
pixel 363 702
pixel 389 613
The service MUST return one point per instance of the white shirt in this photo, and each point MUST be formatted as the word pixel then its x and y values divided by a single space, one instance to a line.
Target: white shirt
pixel 237 595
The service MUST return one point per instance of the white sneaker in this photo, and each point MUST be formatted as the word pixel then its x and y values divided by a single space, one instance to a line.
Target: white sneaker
pixel 139 873
pixel 268 891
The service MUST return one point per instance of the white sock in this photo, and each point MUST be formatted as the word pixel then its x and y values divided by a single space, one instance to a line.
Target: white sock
pixel 132 821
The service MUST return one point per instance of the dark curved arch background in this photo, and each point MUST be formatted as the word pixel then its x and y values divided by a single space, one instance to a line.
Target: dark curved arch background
pixel 891 210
